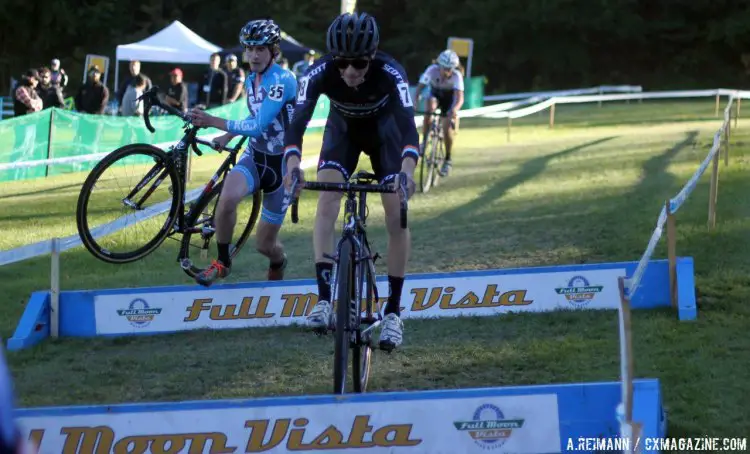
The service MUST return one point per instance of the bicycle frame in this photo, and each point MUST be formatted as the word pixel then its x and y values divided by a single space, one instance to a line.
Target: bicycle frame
pixel 355 218
pixel 179 155
pixel 355 215
pixel 436 125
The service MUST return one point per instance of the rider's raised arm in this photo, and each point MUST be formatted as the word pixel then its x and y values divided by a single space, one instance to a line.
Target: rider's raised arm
pixel 403 110
pixel 310 88
pixel 278 93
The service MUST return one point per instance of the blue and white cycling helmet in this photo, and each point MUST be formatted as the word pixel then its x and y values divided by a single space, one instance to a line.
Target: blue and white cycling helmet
pixel 448 59
pixel 260 32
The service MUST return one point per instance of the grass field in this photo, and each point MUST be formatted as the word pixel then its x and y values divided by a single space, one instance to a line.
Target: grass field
pixel 588 191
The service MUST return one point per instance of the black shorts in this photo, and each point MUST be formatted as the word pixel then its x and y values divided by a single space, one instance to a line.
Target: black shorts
pixel 265 172
pixel 444 99
pixel 345 138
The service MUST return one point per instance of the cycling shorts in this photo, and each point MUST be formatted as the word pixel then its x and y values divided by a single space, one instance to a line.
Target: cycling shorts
pixel 444 98
pixel 345 138
pixel 265 172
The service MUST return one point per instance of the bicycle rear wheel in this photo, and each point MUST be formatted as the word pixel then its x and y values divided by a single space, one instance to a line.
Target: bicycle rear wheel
pixel 438 158
pixel 196 251
pixel 362 357
pixel 345 285
pixel 134 230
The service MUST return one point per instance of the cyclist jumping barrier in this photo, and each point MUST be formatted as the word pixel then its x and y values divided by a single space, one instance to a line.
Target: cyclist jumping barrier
pixel 169 309
pixel 527 419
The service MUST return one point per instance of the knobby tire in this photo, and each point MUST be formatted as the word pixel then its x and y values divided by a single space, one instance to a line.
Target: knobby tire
pixel 162 161
pixel 362 352
pixel 197 211
pixel 344 290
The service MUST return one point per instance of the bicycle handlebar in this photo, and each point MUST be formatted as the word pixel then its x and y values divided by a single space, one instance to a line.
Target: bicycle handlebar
pixel 211 144
pixel 150 98
pixel 351 187
pixel 437 113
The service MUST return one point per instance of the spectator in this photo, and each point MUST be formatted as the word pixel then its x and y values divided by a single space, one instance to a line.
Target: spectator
pixel 214 84
pixel 135 70
pixel 177 93
pixel 131 106
pixel 236 79
pixel 301 66
pixel 92 97
pixel 25 98
pixel 50 93
pixel 58 76
pixel 284 63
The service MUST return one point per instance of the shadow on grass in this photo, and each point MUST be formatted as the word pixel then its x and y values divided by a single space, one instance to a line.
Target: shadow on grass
pixel 690 359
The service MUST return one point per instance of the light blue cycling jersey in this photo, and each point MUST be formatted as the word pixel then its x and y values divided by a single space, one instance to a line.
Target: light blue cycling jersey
pixel 271 110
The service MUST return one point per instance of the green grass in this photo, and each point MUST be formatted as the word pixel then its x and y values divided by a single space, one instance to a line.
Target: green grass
pixel 588 191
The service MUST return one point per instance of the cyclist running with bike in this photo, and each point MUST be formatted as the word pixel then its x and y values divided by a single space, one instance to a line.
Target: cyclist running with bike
pixel 371 111
pixel 446 90
pixel 270 100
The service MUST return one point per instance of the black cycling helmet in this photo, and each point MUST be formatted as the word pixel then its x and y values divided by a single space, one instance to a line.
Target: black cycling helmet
pixel 353 35
pixel 261 32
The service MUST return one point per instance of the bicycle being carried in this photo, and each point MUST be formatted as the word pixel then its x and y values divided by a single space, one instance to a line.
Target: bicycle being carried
pixel 432 152
pixel 353 277
pixel 171 216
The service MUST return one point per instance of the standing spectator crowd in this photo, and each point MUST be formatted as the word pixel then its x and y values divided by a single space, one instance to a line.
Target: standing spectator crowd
pixel 46 87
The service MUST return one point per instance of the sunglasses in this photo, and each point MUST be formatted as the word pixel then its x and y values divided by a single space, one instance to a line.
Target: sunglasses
pixel 356 63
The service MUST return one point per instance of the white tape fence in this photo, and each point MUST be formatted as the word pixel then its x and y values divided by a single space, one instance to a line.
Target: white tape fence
pixel 630 429
pixel 675 203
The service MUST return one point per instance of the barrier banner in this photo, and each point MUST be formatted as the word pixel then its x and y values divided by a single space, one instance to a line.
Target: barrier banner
pixel 499 424
pixel 439 295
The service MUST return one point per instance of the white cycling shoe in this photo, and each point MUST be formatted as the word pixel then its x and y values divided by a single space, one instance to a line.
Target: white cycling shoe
pixel 391 332
pixel 320 315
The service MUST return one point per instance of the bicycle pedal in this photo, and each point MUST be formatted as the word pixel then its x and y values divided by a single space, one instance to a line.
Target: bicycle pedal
pixel 375 257
pixel 185 264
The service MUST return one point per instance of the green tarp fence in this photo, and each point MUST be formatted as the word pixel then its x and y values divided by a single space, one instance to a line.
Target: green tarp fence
pixel 56 133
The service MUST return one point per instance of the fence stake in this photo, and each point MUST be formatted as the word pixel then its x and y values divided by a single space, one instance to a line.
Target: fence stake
pixel 737 114
pixel 672 253
pixel 552 116
pixel 54 316
pixel 49 140
pixel 727 135
pixel 717 105
pixel 714 189
pixel 626 352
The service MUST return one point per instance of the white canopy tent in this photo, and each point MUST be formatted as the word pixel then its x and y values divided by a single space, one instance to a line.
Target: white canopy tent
pixel 173 44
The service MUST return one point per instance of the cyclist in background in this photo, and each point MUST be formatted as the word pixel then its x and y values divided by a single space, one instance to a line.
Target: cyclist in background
pixel 270 98
pixel 371 111
pixel 446 90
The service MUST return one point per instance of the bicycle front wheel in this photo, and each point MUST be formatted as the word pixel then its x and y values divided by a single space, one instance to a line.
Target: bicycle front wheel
pixel 362 357
pixel 345 286
pixel 427 167
pixel 200 229
pixel 438 158
pixel 125 197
